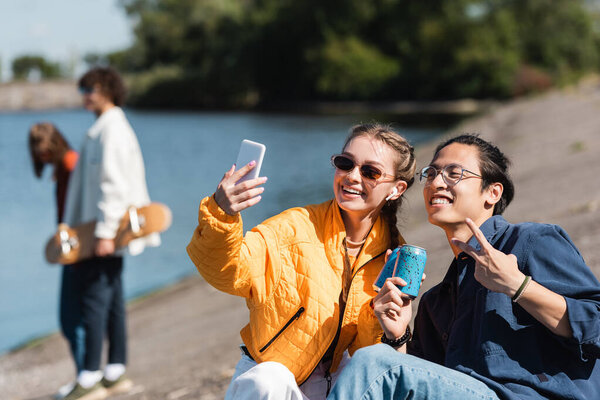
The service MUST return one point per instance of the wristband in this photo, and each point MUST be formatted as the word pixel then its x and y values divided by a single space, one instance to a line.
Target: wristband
pixel 397 342
pixel 522 288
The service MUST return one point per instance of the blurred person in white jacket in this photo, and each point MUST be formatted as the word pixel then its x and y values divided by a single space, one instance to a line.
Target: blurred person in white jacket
pixel 108 179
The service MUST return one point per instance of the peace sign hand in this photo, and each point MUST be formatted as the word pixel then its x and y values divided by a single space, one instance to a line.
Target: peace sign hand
pixel 495 270
pixel 234 197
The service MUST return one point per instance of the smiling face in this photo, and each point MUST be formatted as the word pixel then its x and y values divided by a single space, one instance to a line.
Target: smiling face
pixel 447 206
pixel 356 195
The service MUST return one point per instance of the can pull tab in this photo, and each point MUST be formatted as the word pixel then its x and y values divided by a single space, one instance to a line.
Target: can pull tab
pixel 134 221
pixel 67 243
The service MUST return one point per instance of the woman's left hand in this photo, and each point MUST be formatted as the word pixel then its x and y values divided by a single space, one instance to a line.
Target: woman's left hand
pixel 393 308
pixel 495 270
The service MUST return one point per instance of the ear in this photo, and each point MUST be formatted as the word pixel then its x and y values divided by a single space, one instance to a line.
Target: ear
pixel 401 187
pixel 493 194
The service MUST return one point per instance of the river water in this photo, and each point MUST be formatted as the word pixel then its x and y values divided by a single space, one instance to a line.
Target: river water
pixel 186 155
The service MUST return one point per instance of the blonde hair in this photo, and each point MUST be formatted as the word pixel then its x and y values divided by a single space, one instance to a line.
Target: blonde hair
pixel 404 167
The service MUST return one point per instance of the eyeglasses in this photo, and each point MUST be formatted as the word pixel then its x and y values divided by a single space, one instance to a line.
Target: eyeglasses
pixel 451 173
pixel 86 90
pixel 367 171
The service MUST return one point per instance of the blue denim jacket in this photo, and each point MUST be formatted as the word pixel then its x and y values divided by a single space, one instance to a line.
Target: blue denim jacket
pixel 462 325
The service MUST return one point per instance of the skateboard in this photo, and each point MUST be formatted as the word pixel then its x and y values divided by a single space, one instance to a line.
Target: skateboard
pixel 72 244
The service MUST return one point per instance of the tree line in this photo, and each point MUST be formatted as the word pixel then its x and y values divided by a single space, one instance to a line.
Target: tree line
pixel 243 53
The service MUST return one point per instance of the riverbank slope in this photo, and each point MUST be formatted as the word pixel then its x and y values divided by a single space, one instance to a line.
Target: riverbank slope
pixel 183 340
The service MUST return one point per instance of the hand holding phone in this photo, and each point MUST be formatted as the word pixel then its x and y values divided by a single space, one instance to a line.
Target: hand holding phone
pixel 230 195
pixel 250 151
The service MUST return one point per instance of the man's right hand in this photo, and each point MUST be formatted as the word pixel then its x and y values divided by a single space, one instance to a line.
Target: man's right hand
pixel 234 198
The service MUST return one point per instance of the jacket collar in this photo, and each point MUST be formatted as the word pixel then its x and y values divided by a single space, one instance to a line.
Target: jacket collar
pixel 102 120
pixel 492 228
pixel 377 240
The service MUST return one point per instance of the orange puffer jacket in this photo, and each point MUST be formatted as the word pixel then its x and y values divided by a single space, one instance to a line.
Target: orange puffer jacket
pixel 289 269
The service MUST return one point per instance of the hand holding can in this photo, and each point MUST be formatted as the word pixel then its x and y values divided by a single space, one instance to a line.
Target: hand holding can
pixel 408 263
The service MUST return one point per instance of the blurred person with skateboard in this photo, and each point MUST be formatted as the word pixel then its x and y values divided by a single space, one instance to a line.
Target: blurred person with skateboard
pixel 108 179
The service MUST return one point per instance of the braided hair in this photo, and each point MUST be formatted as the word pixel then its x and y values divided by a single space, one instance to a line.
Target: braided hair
pixel 404 165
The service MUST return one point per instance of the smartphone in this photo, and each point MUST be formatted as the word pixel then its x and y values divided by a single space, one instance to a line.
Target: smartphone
pixel 250 151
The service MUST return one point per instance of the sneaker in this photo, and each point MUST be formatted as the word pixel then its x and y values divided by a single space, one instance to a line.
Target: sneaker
pixel 96 392
pixel 121 385
pixel 64 390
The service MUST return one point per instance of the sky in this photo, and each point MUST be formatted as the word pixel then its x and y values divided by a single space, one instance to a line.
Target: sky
pixel 60 30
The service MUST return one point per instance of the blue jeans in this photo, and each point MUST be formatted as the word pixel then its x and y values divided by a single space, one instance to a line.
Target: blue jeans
pixel 380 372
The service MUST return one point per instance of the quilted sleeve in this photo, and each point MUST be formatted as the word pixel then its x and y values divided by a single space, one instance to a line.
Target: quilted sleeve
pixel 223 257
pixel 369 330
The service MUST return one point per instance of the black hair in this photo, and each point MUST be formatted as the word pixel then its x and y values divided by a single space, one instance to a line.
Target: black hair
pixel 493 165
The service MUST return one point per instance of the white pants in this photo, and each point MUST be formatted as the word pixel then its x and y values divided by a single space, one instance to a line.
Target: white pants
pixel 271 380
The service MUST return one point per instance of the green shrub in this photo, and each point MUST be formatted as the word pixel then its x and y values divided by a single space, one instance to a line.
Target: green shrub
pixel 352 69
pixel 23 66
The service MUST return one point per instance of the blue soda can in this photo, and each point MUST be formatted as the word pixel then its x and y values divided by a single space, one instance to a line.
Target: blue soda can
pixel 408 263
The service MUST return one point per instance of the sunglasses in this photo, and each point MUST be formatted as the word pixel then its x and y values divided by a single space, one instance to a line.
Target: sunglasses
pixel 367 171
pixel 86 90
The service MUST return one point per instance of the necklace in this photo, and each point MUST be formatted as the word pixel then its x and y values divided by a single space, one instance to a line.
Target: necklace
pixel 356 247
pixel 350 249
pixel 350 243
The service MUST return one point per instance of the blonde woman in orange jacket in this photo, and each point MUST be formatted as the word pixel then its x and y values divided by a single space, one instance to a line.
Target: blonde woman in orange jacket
pixel 306 273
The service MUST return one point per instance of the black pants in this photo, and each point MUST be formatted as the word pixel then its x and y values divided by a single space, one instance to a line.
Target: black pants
pixel 102 309
pixel 70 315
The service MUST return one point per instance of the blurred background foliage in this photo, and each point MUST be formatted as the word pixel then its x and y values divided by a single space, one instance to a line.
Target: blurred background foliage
pixel 35 67
pixel 244 53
